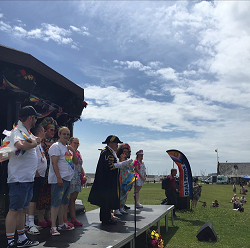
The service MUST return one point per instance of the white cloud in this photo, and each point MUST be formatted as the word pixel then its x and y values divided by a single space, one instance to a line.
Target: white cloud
pixel 185 113
pixel 83 30
pixel 5 27
pixel 75 28
pixel 46 33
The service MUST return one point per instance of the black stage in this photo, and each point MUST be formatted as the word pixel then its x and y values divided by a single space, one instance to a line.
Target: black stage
pixel 96 235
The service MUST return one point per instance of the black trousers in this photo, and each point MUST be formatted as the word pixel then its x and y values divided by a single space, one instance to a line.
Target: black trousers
pixel 172 198
pixel 105 214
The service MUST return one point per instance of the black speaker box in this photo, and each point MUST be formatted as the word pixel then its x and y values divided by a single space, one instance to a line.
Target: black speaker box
pixel 206 233
pixel 183 203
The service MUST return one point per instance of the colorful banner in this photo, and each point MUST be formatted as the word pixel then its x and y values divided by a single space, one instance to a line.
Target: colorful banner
pixel 185 173
pixel 7 84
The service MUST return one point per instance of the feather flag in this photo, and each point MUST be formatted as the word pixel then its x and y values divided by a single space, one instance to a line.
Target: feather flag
pixel 185 174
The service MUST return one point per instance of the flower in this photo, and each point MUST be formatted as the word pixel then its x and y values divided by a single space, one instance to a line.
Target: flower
pixel 156 240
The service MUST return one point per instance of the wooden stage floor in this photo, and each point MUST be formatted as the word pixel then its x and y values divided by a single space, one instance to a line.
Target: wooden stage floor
pixel 96 235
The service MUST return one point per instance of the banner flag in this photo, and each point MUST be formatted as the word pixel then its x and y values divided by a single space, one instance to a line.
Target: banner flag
pixel 7 84
pixel 185 173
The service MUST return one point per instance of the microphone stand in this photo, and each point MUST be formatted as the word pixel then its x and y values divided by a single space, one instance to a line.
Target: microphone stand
pixel 135 208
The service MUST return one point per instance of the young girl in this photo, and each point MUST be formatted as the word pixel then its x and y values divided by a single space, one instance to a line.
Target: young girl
pixel 141 170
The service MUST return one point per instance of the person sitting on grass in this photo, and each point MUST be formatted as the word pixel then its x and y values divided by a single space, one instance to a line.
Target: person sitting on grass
pixel 238 205
pixel 243 199
pixel 215 204
pixel 234 198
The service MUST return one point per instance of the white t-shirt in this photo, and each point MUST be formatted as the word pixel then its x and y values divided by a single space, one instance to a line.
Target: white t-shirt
pixel 21 168
pixel 65 164
pixel 42 161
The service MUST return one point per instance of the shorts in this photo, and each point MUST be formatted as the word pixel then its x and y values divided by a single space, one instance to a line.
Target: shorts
pixel 20 195
pixel 60 195
pixel 38 183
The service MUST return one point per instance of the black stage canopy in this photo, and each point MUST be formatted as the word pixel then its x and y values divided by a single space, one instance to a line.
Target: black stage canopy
pixel 24 80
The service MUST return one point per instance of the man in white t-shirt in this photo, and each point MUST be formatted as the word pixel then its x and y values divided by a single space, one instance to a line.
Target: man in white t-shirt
pixel 22 167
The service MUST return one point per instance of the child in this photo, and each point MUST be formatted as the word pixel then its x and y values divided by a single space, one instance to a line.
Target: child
pixel 141 170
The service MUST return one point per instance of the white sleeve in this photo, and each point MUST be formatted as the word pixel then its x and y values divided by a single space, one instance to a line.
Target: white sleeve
pixel 125 163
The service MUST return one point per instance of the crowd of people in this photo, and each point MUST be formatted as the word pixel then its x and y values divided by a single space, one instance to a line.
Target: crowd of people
pixel 238 202
pixel 45 175
pixel 116 171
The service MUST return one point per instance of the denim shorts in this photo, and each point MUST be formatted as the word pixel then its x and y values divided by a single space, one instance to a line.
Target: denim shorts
pixel 60 195
pixel 20 195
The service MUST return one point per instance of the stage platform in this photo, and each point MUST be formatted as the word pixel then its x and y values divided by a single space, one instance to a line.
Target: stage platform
pixel 93 234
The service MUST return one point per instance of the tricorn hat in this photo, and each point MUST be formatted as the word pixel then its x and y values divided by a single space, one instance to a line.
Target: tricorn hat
pixel 112 139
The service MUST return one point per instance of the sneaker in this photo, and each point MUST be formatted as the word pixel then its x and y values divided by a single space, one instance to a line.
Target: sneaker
pixel 123 211
pixel 11 244
pixel 27 243
pixel 54 232
pixel 117 212
pixel 115 217
pixel 76 222
pixel 33 230
pixel 38 227
pixel 65 227
pixel 138 205
pixel 68 223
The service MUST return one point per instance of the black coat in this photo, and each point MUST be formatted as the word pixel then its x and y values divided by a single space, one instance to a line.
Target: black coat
pixel 105 191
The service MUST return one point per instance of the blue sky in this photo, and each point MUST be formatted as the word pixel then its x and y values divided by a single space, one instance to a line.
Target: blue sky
pixel 158 74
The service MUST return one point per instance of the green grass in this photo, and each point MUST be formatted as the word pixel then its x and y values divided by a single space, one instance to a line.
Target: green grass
pixel 231 227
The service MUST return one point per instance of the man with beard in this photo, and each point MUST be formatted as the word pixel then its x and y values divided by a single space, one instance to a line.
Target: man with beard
pixel 22 168
pixel 105 191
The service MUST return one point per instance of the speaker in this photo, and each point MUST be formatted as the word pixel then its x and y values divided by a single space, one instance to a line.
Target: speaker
pixel 183 203
pixel 206 233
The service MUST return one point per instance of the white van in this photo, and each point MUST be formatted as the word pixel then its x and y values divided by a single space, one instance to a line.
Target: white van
pixel 218 180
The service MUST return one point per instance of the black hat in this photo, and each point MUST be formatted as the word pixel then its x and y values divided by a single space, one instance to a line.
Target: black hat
pixel 112 139
pixel 28 111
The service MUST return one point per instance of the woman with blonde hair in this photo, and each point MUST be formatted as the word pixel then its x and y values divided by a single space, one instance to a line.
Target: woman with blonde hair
pixel 62 162
pixel 76 185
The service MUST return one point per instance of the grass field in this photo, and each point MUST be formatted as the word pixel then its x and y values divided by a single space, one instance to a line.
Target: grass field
pixel 231 227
